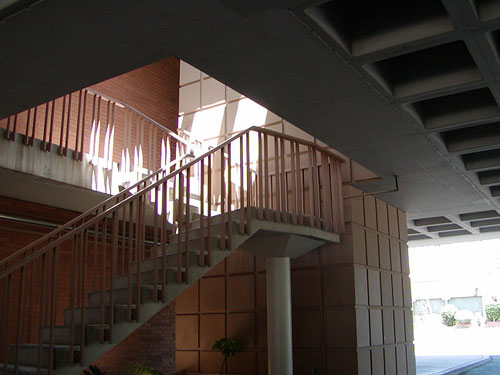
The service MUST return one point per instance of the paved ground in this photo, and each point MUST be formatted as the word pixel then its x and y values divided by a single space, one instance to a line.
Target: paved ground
pixel 428 365
pixel 490 368
pixel 438 340
pixel 438 347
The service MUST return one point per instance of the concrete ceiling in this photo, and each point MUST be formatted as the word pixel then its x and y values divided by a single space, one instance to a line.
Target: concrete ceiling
pixel 404 88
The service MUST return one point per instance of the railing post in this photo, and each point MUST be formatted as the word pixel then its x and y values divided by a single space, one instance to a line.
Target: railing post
pixel 83 267
pixel 80 156
pixel 260 195
pixel 32 138
pixel 19 316
pixel 311 188
pixel 242 191
pixel 300 189
pixel 316 190
pixel 284 190
pixel 41 313
pixel 201 258
pixel 155 247
pixel 208 261
pixel 130 257
pixel 325 190
pixel 229 198
pixel 72 298
pixel 65 151
pixel 293 199
pixel 61 132
pixel 163 239
pixel 53 302
pixel 103 279
pixel 266 178
pixel 277 187
pixel 249 186
pixel 114 250
pixel 180 221
pixel 222 198
pixel 6 134
pixel 186 225
pixel 7 324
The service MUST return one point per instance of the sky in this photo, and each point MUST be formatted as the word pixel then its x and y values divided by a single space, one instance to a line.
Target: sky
pixel 456 270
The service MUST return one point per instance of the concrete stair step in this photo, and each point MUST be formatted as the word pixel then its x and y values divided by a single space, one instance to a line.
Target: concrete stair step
pixel 121 296
pixel 93 315
pixel 62 334
pixel 23 370
pixel 147 277
pixel 28 355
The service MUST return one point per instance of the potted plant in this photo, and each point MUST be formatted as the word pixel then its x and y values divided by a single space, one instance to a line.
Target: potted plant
pixel 493 315
pixel 228 347
pixel 448 315
pixel 138 369
pixel 464 318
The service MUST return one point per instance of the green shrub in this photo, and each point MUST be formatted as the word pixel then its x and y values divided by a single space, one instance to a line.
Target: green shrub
pixel 228 347
pixel 138 369
pixel 493 312
pixel 448 315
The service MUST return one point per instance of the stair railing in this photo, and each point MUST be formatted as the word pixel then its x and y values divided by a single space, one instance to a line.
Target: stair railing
pixel 86 121
pixel 71 272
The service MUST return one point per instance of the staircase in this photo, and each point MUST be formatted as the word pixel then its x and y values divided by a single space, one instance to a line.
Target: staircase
pixel 70 296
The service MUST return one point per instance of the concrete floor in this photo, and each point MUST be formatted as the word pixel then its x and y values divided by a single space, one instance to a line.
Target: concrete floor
pixel 441 349
pixel 434 365
pixel 490 368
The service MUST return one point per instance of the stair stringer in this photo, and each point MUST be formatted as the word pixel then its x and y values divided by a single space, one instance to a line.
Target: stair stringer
pixel 122 330
pixel 148 310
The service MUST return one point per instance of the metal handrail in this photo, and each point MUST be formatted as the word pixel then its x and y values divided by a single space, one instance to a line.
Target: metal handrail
pixel 136 111
pixel 147 189
pixel 118 230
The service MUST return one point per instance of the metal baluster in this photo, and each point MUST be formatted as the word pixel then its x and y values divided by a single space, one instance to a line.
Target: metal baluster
pixel 77 136
pixel 222 198
pixel 186 225
pixel 53 304
pixel 209 213
pixel 19 317
pixel 83 124
pixel 249 187
pixel 229 198
pixel 61 133
pixel 68 123
pixel 201 258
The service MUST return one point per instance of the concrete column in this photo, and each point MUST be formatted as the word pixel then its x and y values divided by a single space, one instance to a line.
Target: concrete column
pixel 279 316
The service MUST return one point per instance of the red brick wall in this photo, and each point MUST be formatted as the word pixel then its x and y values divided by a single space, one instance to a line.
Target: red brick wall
pixel 153 344
pixel 153 90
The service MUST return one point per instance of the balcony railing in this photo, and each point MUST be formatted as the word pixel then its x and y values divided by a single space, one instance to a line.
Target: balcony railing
pixel 112 133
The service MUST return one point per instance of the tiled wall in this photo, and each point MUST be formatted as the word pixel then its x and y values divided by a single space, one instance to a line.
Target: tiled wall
pixel 229 301
pixel 374 253
pixel 213 112
pixel 351 303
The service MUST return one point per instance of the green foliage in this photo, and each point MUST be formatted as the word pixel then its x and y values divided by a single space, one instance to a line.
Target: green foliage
pixel 228 347
pixel 139 369
pixel 493 312
pixel 448 315
pixel 94 370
